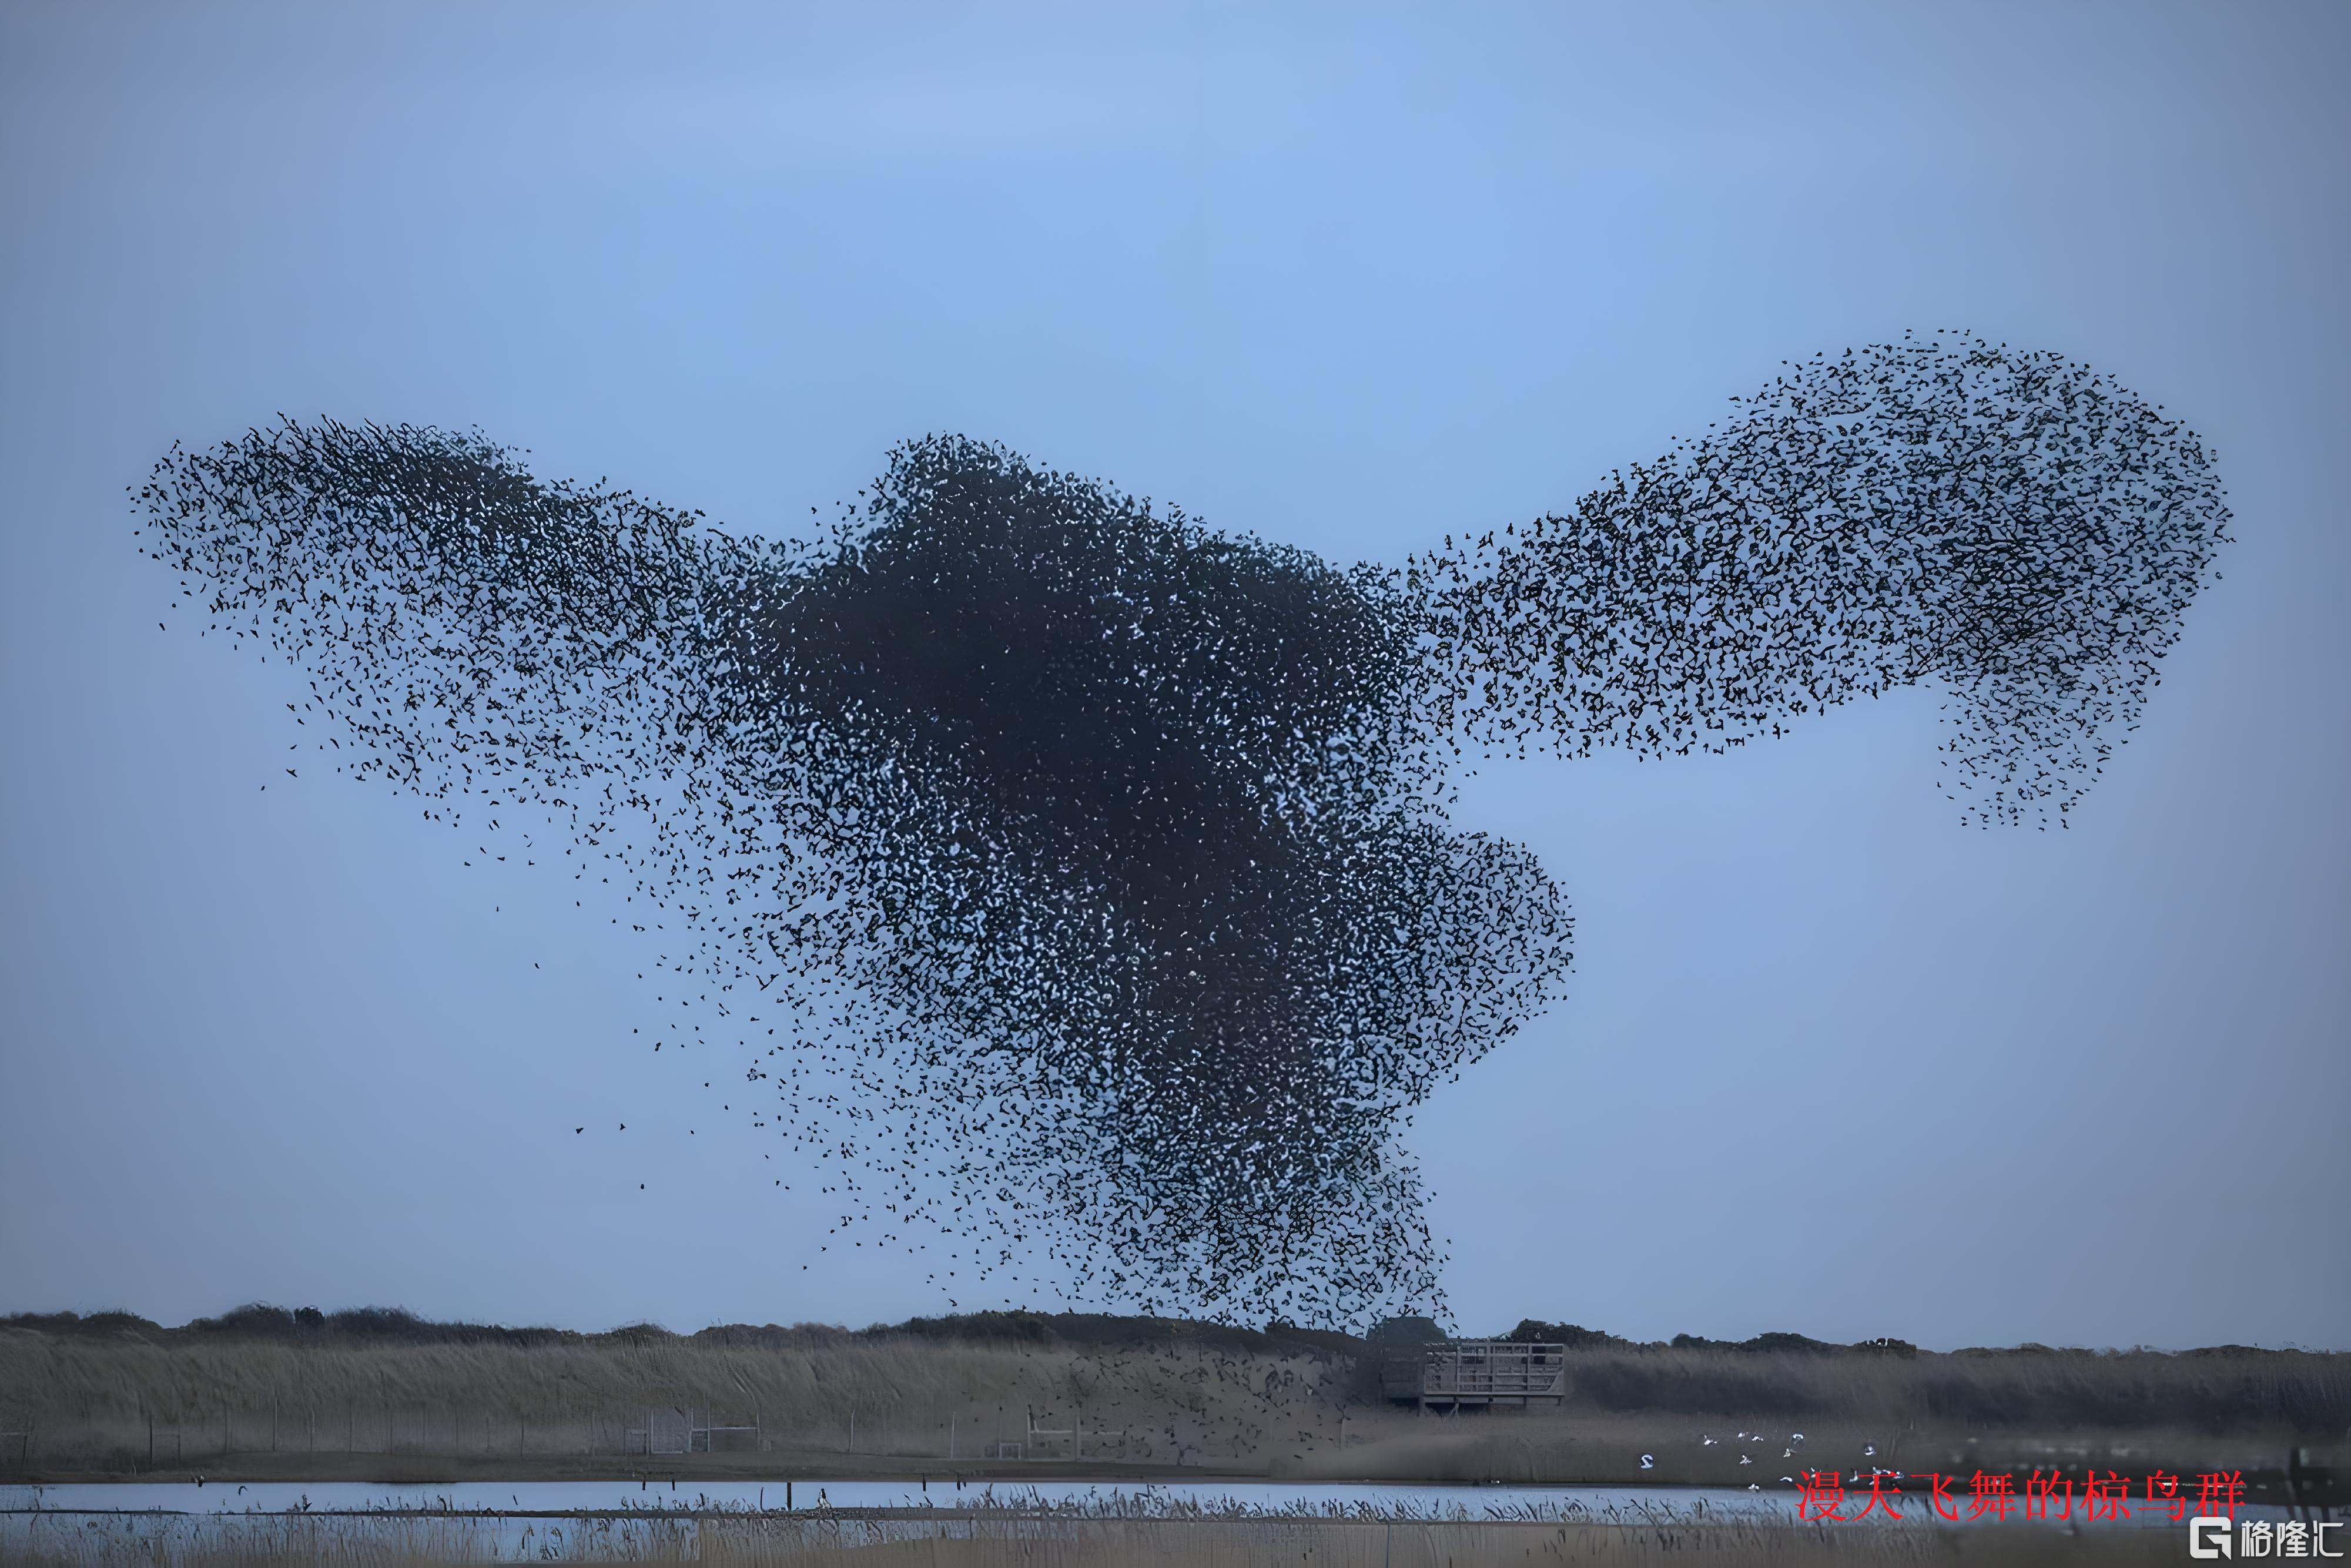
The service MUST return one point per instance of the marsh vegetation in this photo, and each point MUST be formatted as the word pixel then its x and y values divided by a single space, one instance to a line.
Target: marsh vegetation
pixel 1029 1543
pixel 269 1395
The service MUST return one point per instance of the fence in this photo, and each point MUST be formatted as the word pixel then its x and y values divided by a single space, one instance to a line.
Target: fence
pixel 673 1430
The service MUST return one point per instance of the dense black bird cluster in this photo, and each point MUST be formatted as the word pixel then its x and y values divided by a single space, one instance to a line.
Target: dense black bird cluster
pixel 1081 876
pixel 2008 525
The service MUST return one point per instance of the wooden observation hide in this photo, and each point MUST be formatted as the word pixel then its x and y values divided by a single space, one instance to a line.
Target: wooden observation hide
pixel 1449 1374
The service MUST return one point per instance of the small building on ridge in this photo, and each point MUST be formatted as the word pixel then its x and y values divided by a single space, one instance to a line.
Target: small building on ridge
pixel 1456 1373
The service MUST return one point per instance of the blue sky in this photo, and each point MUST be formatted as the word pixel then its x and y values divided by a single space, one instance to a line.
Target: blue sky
pixel 1347 278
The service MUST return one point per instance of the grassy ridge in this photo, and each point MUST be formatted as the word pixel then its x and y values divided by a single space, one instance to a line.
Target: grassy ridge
pixel 118 1394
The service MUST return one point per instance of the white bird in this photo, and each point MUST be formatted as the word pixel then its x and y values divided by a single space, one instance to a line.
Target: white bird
pixel 1648 1462
pixel 1706 1442
pixel 1745 1460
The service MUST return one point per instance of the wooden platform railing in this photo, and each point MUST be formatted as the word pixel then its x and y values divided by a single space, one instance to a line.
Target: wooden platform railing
pixel 1478 1371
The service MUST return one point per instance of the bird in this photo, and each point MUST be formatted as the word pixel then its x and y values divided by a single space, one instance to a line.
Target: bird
pixel 1094 870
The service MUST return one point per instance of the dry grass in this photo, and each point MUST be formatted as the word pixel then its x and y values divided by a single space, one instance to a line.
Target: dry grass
pixel 294 1409
pixel 2228 1388
pixel 1576 1447
pixel 1174 1403
pixel 1083 1544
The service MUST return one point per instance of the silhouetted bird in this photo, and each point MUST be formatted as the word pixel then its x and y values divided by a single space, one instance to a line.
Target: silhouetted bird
pixel 1091 869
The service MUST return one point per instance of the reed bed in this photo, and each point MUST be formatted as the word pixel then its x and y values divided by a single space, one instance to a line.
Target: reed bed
pixel 895 1402
pixel 2228 1388
pixel 1171 1403
pixel 1052 1543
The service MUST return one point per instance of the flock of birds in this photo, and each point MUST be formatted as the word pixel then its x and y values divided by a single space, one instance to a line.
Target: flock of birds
pixel 1080 878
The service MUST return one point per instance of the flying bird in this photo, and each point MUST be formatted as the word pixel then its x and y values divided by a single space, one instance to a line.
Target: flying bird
pixel 1092 868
